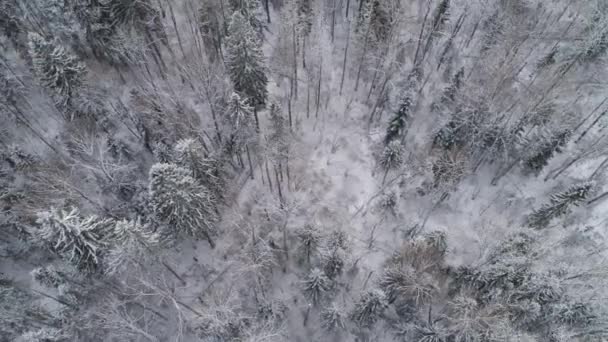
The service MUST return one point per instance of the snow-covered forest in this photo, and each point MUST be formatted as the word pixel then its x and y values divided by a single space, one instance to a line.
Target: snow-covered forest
pixel 303 170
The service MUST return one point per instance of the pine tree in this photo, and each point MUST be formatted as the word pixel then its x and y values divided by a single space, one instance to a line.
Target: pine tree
pixel 190 153
pixel 241 122
pixel 333 261
pixel 81 240
pixel 46 334
pixel 249 9
pixel 181 202
pixel 369 308
pixel 559 205
pixel 56 68
pixel 279 133
pixel 332 318
pixel 398 124
pixel 550 144
pixel 132 243
pixel 441 15
pixel 245 61
pixel 315 285
pixel 391 157
pixel 310 239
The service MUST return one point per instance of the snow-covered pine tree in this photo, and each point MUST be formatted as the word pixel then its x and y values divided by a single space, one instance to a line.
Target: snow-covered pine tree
pixel 279 133
pixel 333 318
pixel 369 308
pixel 181 202
pixel 333 261
pixel 56 68
pixel 44 334
pixel 190 153
pixel 549 145
pixel 132 242
pixel 249 10
pixel 242 121
pixel 397 126
pixel 309 237
pixel 212 30
pixel 82 241
pixel 391 157
pixel 315 286
pixel 18 311
pixel 559 205
pixel 245 61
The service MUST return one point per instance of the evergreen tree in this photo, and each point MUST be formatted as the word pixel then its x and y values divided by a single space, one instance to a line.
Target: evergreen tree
pixel 332 318
pixel 190 154
pixel 559 205
pixel 309 237
pixel 549 145
pixel 245 61
pixel 315 285
pixel 333 261
pixel 241 122
pixel 369 308
pixel 56 68
pixel 391 157
pixel 18 311
pixel 81 240
pixel 249 9
pixel 279 133
pixel 181 202
pixel 398 124
pixel 133 242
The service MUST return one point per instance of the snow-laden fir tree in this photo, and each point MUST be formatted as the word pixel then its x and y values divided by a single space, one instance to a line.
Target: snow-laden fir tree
pixel 333 260
pixel 279 133
pixel 559 205
pixel 369 308
pixel 18 311
pixel 315 286
pixel 333 318
pixel 56 68
pixel 132 242
pixel 207 169
pixel 397 126
pixel 310 238
pixel 391 157
pixel 185 205
pixel 245 61
pixel 249 10
pixel 45 334
pixel 240 120
pixel 550 143
pixel 82 241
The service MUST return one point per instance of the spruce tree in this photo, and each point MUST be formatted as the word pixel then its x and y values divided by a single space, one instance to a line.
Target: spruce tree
pixel 549 145
pixel 245 61
pixel 310 238
pixel 81 241
pixel 315 285
pixel 190 154
pixel 333 318
pixel 559 205
pixel 391 157
pixel 56 68
pixel 242 122
pixel 398 124
pixel 249 10
pixel 369 308
pixel 132 242
pixel 181 202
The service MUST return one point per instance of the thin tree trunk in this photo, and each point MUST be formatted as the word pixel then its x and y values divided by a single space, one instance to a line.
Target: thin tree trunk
pixel 267 8
pixel 333 20
pixel 249 160
pixel 289 112
pixel 295 63
pixel 268 176
pixel 319 90
pixel 257 119
pixel 179 39
pixel 345 54
pixel 304 53
pixel 279 187
pixel 307 101
pixel 365 43
pixel 590 127
pixel 172 271
pixel 421 33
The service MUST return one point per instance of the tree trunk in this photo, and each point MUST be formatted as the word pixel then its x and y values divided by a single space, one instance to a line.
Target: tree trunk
pixel 345 54
pixel 249 160
pixel 319 90
pixel 268 176
pixel 257 119
pixel 279 187
pixel 267 8
pixel 209 239
pixel 295 63
pixel 362 57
